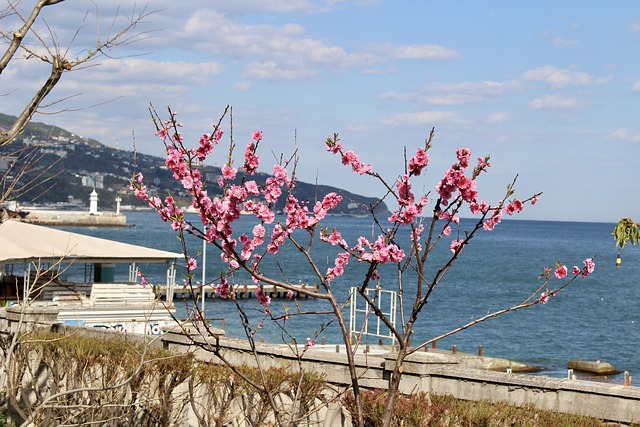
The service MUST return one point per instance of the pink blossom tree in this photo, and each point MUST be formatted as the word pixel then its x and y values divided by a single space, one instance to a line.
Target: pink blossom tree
pixel 456 194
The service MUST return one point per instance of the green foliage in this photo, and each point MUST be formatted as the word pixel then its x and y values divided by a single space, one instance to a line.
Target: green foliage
pixel 4 422
pixel 626 231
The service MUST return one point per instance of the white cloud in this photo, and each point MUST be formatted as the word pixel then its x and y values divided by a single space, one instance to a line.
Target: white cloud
pixel 553 102
pixel 283 48
pixel 270 70
pixel 636 87
pixel 456 93
pixel 487 87
pixel 564 43
pixel 421 117
pixel 176 71
pixel 424 51
pixel 623 135
pixel 498 117
pixel 243 86
pixel 635 25
pixel 559 78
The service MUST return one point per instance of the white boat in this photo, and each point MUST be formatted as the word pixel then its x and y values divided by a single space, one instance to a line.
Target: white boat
pixel 33 258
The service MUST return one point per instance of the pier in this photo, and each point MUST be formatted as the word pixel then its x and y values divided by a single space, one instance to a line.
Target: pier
pixel 241 291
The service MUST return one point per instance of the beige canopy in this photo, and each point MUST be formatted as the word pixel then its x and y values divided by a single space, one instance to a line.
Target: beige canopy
pixel 20 241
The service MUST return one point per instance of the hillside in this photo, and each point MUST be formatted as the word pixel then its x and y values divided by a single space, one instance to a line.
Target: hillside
pixel 70 166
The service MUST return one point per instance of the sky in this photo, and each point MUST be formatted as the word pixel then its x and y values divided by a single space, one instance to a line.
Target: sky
pixel 550 90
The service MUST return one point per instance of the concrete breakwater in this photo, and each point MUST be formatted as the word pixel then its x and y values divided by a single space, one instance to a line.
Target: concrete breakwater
pixel 75 218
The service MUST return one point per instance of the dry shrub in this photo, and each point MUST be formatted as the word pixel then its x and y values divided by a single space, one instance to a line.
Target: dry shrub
pixel 422 410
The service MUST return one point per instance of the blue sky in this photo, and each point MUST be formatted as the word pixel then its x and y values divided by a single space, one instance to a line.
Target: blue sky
pixel 549 89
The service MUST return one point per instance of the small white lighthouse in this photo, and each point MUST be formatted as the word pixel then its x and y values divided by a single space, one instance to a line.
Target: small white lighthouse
pixel 93 203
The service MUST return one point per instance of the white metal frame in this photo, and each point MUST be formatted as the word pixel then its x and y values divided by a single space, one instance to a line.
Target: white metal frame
pixel 361 312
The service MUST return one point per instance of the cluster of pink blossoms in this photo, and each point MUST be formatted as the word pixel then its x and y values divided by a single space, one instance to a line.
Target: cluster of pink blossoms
pixel 418 162
pixel 168 211
pixel 456 180
pixel 408 209
pixel 351 158
pixel 561 271
pixel 219 214
pixel 379 252
pixel 223 289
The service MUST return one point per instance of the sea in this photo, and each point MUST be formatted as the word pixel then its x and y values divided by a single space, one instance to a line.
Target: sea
pixel 595 318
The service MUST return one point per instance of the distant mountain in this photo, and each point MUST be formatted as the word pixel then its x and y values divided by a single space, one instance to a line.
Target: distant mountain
pixel 70 166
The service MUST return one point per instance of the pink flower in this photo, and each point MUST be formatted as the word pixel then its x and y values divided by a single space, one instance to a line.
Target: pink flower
pixel 311 342
pixel 262 296
pixel 385 253
pixel 271 190
pixel 576 270
pixel 228 172
pixel 515 206
pixel 463 155
pixel 446 231
pixel 483 163
pixel 205 147
pixel 280 174
pixel 544 298
pixel 418 162
pixel 478 207
pixel 340 263
pixel 405 196
pixel 251 160
pixel 331 201
pixel 335 238
pixel 495 219
pixel 252 188
pixel 448 217
pixel 257 135
pixel 561 272
pixel 192 264
pixel 333 146
pixel 351 158
pixel 589 267
pixel 223 289
pixel 456 246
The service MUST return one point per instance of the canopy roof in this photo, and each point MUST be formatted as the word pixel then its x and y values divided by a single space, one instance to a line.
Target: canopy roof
pixel 20 241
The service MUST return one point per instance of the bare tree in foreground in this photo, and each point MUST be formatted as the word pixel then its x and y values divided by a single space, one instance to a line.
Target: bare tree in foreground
pixel 25 35
pixel 24 38
pixel 396 258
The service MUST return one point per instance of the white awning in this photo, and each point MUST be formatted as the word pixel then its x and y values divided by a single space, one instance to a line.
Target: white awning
pixel 20 241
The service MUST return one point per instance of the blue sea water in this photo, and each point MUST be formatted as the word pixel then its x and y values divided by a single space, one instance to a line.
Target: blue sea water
pixel 595 318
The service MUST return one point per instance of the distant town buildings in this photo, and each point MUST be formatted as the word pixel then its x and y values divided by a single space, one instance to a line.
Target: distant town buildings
pixel 93 180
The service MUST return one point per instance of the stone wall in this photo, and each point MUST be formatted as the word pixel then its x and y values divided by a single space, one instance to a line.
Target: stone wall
pixel 439 374
pixel 425 371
